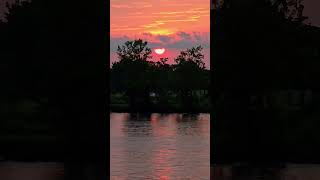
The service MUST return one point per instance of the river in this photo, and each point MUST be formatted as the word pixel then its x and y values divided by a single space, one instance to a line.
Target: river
pixel 159 146
pixel 162 147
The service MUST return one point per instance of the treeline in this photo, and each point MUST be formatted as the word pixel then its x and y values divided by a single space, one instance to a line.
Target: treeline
pixel 24 64
pixel 53 59
pixel 268 46
pixel 48 55
pixel 261 51
pixel 146 81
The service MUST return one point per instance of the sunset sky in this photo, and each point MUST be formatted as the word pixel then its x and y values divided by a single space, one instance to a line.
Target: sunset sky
pixel 171 24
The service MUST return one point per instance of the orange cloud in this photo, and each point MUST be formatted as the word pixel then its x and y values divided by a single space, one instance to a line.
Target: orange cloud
pixel 193 11
pixel 126 29
pixel 162 17
pixel 132 5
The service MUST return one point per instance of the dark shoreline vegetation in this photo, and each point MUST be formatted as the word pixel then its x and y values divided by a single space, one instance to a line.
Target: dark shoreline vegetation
pixel 52 96
pixel 158 109
pixel 265 90
pixel 140 83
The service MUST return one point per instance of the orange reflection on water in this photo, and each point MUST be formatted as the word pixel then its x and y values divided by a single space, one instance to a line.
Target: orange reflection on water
pixel 164 178
pixel 163 128
pixel 154 118
pixel 162 163
pixel 204 126
pixel 114 127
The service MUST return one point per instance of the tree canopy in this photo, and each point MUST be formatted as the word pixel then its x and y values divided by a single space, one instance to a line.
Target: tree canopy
pixel 137 74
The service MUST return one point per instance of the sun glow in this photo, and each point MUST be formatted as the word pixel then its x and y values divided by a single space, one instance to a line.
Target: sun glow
pixel 161 32
pixel 159 51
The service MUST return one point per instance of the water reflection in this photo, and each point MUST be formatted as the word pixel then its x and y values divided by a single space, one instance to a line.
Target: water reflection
pixel 160 146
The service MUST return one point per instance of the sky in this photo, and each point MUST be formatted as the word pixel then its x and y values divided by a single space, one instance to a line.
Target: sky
pixel 171 24
pixel 174 25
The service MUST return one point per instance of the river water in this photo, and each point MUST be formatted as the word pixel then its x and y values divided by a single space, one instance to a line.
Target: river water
pixel 162 147
pixel 159 146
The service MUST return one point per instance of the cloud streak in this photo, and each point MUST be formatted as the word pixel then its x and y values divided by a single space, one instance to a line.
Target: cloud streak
pixel 161 17
pixel 180 40
pixel 192 11
pixel 138 5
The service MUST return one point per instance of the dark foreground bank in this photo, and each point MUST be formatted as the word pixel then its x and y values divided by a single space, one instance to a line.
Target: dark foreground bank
pixel 285 171
pixel 31 148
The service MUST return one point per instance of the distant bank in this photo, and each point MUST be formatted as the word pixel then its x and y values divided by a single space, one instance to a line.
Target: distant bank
pixel 160 109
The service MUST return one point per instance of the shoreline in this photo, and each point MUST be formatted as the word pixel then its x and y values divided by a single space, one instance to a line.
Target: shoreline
pixel 158 109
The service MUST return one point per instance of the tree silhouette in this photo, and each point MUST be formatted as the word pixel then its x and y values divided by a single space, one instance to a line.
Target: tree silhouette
pixel 131 71
pixel 161 80
pixel 258 52
pixel 188 70
pixel 137 76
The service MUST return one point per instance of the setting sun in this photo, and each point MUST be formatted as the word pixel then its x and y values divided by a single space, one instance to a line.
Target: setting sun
pixel 169 26
pixel 159 51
